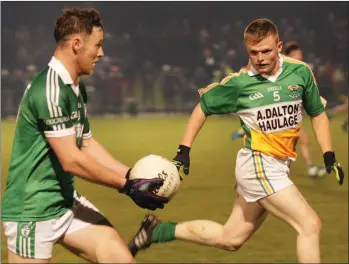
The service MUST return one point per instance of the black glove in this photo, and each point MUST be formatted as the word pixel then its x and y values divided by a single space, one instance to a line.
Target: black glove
pixel 182 160
pixel 332 165
pixel 141 191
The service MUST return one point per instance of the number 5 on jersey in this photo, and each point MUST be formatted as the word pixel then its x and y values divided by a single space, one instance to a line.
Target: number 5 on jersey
pixel 276 96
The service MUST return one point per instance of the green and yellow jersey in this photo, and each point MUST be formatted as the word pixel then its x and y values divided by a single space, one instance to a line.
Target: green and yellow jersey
pixel 269 107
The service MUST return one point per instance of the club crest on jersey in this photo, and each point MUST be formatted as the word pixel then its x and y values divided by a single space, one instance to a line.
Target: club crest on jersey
pixel 293 87
pixel 255 96
pixel 294 91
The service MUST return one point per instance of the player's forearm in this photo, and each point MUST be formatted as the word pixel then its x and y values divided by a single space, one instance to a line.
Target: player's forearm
pixel 195 122
pixel 322 133
pixel 94 149
pixel 88 168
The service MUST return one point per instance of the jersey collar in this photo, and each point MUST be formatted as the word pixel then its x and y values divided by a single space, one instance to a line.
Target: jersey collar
pixel 58 67
pixel 252 71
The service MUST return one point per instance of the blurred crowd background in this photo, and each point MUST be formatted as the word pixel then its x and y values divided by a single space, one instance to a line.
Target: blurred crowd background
pixel 158 54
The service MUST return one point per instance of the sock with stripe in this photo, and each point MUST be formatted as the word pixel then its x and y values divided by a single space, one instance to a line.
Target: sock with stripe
pixel 164 232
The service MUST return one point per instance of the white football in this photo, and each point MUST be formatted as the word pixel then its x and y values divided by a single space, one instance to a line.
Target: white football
pixel 154 166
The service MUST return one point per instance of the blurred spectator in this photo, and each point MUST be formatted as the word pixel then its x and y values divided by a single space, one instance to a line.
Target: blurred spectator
pixel 147 78
pixel 7 94
pixel 115 84
pixel 172 82
pixel 204 45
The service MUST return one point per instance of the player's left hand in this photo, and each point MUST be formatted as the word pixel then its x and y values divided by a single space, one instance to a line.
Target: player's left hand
pixel 182 160
pixel 141 191
pixel 332 165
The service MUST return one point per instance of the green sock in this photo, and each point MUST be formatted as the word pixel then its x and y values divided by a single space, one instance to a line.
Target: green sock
pixel 164 232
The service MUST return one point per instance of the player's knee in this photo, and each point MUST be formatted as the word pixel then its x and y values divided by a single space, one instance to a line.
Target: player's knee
pixel 109 251
pixel 312 225
pixel 231 244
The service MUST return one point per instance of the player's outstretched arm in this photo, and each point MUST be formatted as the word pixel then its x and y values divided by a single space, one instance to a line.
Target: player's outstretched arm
pixel 94 149
pixel 322 133
pixel 75 161
pixel 195 122
pixel 314 106
pixel 321 127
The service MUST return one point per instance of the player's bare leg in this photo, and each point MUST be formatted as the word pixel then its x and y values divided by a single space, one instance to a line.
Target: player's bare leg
pixel 98 243
pixel 244 220
pixel 14 258
pixel 290 206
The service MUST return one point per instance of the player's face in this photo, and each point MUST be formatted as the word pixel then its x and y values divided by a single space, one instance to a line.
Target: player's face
pixel 264 54
pixel 296 54
pixel 91 51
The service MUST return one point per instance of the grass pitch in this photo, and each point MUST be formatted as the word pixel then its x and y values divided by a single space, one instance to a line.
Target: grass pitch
pixel 208 192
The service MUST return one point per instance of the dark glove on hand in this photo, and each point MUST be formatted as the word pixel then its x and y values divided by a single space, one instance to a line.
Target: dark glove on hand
pixel 332 165
pixel 182 160
pixel 141 192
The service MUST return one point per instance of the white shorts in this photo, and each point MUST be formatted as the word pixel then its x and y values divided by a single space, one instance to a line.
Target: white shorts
pixel 259 175
pixel 36 239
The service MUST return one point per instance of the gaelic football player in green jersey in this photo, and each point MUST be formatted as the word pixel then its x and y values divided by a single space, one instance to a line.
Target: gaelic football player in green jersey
pixel 268 95
pixel 52 143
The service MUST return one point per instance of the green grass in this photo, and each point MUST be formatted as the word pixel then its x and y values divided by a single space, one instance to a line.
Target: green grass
pixel 208 192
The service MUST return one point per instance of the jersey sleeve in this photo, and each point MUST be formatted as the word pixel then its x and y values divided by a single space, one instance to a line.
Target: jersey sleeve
pixel 220 98
pixel 51 106
pixel 86 134
pixel 311 98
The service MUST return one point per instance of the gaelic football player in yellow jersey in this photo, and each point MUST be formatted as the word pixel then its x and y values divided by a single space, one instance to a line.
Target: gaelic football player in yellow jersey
pixel 268 95
pixel 293 50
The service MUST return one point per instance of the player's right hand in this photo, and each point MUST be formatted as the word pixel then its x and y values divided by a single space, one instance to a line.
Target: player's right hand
pixel 182 160
pixel 141 191
pixel 332 165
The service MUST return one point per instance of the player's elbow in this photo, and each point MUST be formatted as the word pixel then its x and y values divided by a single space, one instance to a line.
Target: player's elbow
pixel 70 163
pixel 69 166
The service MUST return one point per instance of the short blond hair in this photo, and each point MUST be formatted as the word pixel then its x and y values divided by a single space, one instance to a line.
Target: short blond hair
pixel 259 29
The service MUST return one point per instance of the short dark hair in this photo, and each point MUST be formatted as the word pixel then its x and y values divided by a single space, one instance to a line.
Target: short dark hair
pixel 76 20
pixel 260 29
pixel 291 46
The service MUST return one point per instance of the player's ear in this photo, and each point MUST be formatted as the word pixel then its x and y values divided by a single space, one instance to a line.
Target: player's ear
pixel 280 45
pixel 76 43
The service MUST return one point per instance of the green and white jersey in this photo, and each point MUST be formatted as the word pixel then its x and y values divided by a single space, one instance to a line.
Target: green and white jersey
pixel 269 107
pixel 37 187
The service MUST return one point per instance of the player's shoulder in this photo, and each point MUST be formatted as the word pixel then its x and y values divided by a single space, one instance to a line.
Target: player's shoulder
pixel 46 83
pixel 291 64
pixel 235 78
pixel 232 80
pixel 39 80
